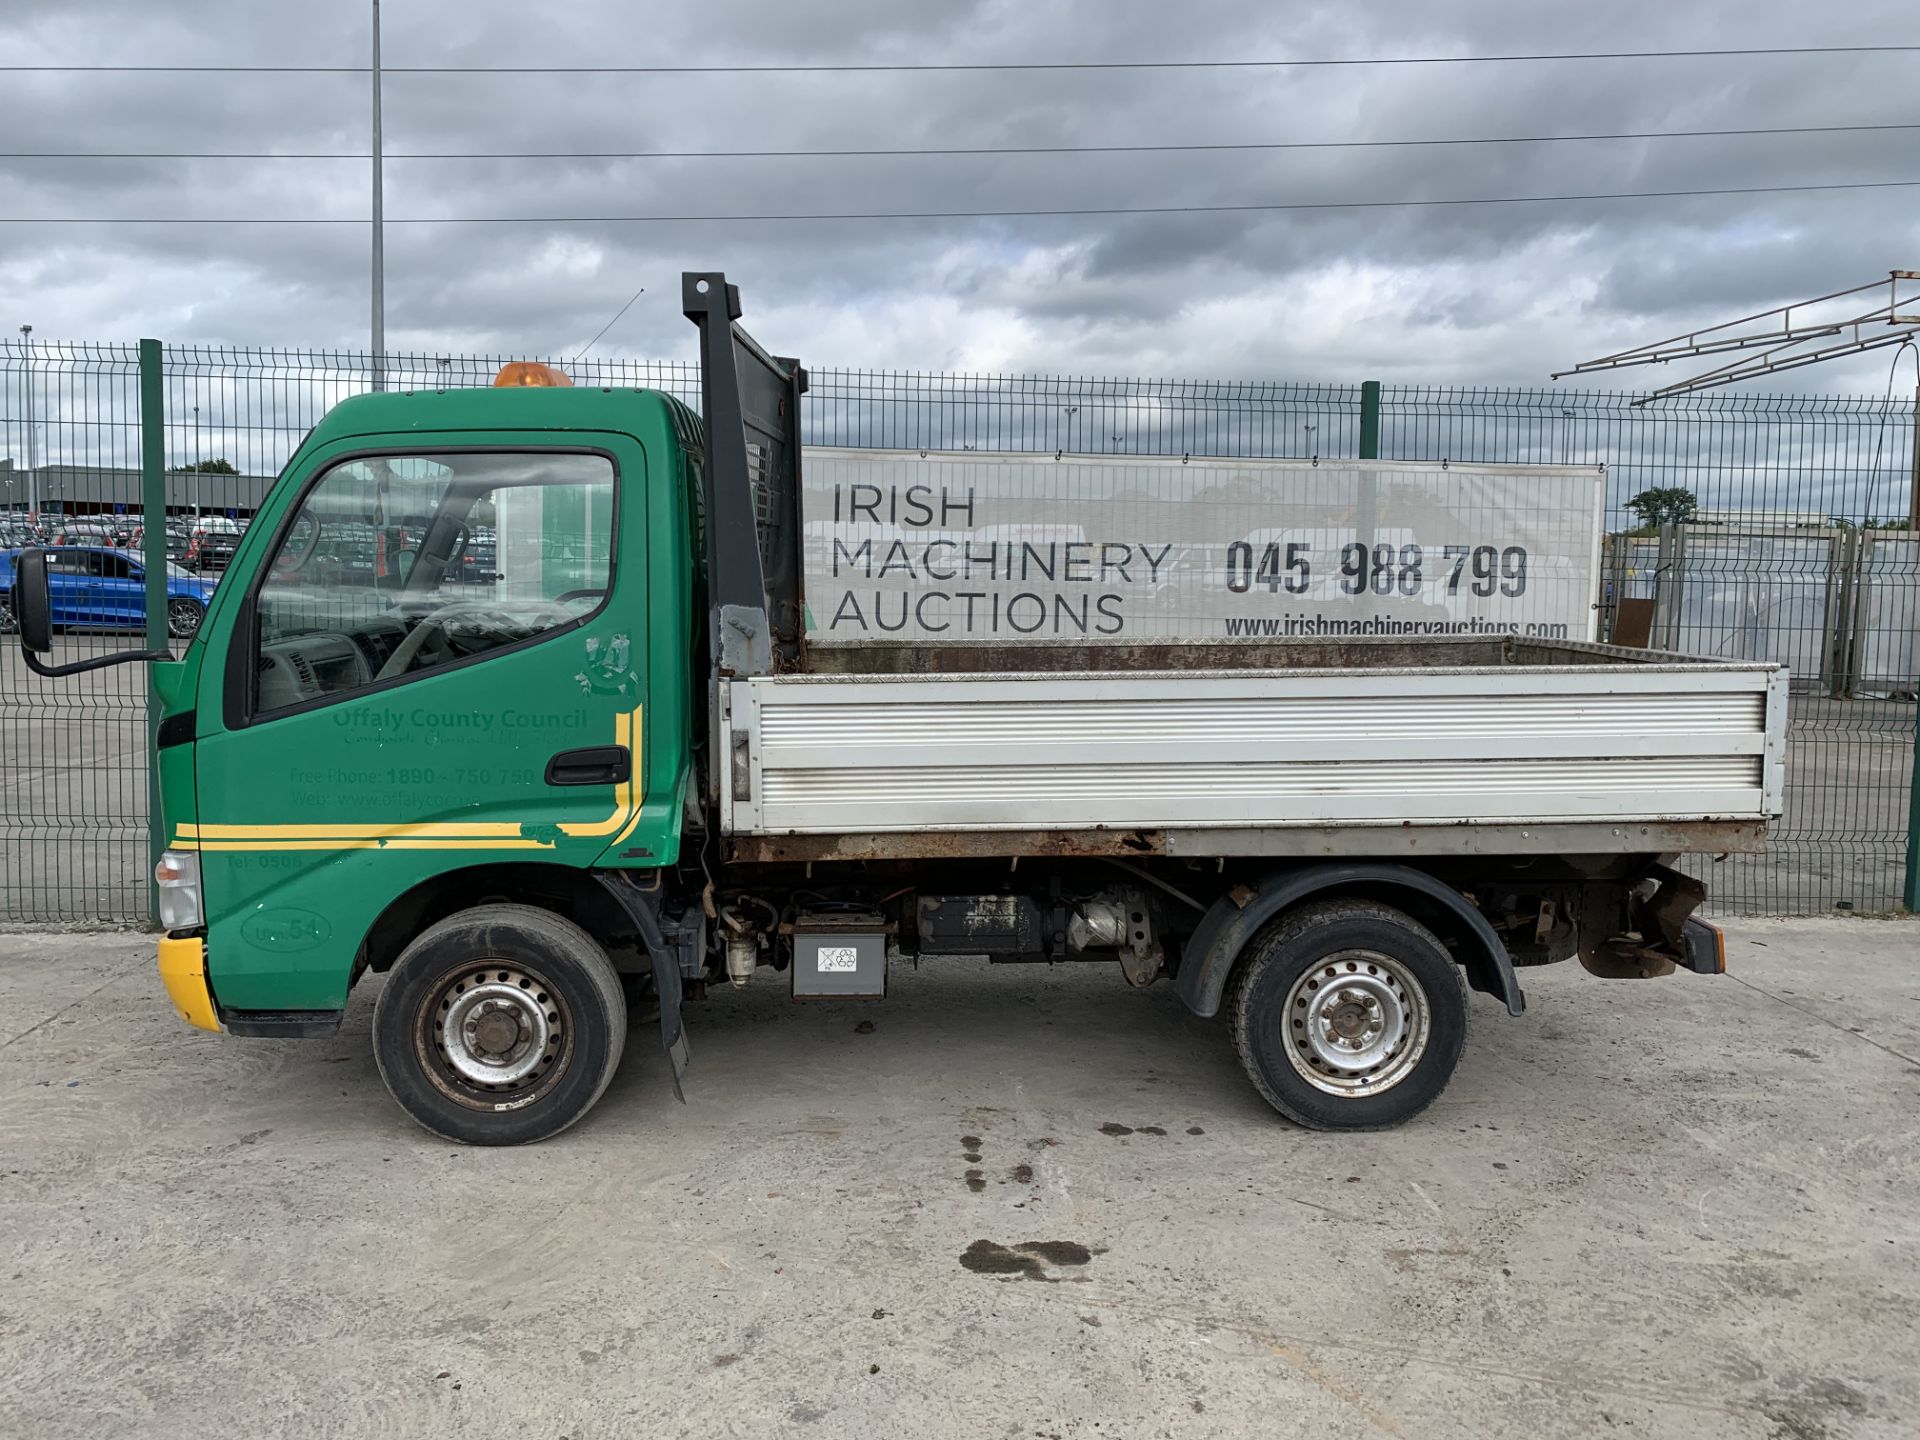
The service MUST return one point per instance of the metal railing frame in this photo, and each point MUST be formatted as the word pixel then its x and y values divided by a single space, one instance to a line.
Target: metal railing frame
pixel 1826 455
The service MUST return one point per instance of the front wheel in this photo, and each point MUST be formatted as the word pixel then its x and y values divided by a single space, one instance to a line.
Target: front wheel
pixel 501 1025
pixel 1349 1015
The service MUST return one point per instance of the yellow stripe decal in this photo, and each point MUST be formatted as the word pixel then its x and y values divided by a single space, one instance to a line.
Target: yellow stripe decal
pixel 466 844
pixel 423 829
pixel 626 731
pixel 400 844
pixel 433 834
pixel 206 845
pixel 639 785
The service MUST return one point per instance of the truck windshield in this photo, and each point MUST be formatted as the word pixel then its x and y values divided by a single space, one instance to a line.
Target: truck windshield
pixel 397 564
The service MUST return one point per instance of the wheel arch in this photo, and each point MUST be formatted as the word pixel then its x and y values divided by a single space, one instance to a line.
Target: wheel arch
pixel 567 892
pixel 1215 947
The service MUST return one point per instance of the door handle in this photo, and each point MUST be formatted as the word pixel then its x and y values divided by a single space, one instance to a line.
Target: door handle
pixel 595 765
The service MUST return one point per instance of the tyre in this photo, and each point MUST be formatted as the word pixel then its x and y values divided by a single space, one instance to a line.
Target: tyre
pixel 501 1025
pixel 184 617
pixel 7 623
pixel 1348 1015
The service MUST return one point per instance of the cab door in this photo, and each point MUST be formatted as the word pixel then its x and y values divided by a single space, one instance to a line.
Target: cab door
pixel 70 580
pixel 381 724
pixel 120 592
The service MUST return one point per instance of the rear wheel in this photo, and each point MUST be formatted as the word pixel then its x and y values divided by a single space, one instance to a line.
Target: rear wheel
pixel 1348 1015
pixel 7 623
pixel 500 1025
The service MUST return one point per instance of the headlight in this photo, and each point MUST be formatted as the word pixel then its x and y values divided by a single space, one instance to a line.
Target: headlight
pixel 178 876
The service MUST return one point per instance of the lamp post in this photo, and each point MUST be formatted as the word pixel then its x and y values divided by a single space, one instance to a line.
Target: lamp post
pixel 379 225
pixel 26 383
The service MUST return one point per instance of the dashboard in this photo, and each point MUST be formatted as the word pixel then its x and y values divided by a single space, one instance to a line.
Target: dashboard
pixel 351 653
pixel 305 667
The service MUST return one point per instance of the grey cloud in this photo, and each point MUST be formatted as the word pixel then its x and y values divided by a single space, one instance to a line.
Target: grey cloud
pixel 1497 293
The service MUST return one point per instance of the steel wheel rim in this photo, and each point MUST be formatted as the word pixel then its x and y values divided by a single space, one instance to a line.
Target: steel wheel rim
pixel 494 1035
pixel 1356 1024
pixel 183 619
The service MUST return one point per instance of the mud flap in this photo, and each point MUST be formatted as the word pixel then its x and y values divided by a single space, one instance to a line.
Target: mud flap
pixel 666 958
pixel 673 1034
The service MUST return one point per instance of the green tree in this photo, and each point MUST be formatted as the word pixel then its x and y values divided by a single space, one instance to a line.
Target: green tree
pixel 1664 505
pixel 215 466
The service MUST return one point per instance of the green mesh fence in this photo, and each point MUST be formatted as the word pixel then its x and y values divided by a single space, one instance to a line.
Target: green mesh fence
pixel 1788 543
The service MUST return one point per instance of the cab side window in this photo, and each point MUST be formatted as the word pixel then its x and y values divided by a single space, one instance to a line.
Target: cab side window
pixel 395 566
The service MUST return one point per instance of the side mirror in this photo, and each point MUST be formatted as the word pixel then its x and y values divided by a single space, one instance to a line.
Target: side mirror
pixel 33 608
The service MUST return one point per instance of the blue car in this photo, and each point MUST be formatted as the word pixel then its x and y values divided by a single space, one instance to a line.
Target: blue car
pixel 97 588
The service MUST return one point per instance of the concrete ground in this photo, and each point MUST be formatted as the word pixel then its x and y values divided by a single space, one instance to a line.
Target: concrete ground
pixel 1688 1207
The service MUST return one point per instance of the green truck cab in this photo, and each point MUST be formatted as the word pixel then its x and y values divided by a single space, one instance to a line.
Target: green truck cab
pixel 368 735
pixel 466 712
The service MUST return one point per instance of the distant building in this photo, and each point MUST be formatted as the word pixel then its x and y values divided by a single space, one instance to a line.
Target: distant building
pixel 103 489
pixel 1765 519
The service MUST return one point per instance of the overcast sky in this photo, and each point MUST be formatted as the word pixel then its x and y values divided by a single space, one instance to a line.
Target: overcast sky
pixel 1454 295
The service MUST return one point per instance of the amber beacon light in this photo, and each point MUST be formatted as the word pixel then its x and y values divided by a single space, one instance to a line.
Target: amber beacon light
pixel 530 372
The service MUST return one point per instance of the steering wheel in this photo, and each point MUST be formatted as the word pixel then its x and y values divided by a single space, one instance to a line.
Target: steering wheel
pixel 430 635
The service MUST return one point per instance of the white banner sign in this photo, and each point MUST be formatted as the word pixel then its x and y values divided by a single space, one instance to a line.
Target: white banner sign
pixel 1005 549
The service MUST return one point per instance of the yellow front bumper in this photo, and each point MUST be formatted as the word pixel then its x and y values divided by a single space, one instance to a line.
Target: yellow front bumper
pixel 183 970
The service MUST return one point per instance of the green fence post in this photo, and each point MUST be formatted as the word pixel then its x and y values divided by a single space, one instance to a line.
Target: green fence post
pixel 1913 823
pixel 1370 420
pixel 153 505
pixel 1913 797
